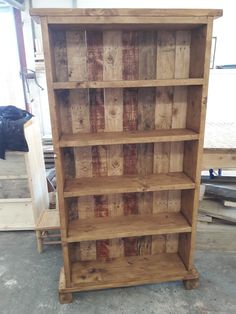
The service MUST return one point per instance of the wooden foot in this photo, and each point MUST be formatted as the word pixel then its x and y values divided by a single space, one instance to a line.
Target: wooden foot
pixel 191 284
pixel 39 241
pixel 65 298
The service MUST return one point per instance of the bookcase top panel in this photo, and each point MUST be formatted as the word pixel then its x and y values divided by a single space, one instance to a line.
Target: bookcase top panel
pixel 127 12
pixel 124 15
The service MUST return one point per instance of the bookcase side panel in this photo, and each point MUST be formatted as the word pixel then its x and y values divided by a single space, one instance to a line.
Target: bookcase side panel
pixel 196 115
pixel 50 66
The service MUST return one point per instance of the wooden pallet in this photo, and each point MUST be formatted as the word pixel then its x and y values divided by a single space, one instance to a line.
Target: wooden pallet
pixel 127 91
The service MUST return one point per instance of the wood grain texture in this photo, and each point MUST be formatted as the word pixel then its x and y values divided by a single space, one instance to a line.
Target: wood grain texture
pixel 130 199
pixel 60 56
pixel 131 225
pixel 127 184
pixel 219 158
pixel 165 66
pixel 64 111
pixel 147 55
pixel 78 103
pixel 132 137
pixel 51 73
pixel 120 22
pixel 197 100
pixel 76 55
pixel 130 71
pixel 95 55
pixel 126 12
pixel 130 41
pixel 128 83
pixel 130 111
pixel 85 204
pixel 146 121
pixel 134 270
pixel 113 106
pixel 179 113
pixel 100 169
pixel 95 58
pixel 97 118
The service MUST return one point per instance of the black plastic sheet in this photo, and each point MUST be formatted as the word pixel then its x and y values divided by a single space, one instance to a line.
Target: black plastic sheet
pixel 12 120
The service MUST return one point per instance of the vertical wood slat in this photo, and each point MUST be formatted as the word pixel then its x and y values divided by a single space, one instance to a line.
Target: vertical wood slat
pixel 56 131
pixel 130 71
pixel 95 61
pixel 80 121
pixel 207 55
pixel 146 121
pixel 97 124
pixel 76 55
pixel 60 56
pixel 179 112
pixel 165 68
pixel 63 103
pixel 130 55
pixel 95 55
pixel 113 106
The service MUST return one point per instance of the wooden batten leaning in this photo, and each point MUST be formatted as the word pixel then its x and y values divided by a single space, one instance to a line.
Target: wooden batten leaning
pixel 128 92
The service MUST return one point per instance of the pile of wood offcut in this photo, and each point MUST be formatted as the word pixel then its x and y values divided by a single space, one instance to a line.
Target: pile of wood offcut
pixel 217 215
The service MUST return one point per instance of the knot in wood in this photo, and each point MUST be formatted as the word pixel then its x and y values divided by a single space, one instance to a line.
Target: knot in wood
pixel 110 59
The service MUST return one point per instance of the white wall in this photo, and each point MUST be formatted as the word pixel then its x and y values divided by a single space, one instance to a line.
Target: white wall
pixel 10 80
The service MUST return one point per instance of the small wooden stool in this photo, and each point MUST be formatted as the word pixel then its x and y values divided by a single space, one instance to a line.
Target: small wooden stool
pixel 48 221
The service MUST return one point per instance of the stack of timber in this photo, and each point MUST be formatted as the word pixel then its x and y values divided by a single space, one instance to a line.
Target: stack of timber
pixel 217 215
pixel 48 153
pixel 51 178
pixel 216 228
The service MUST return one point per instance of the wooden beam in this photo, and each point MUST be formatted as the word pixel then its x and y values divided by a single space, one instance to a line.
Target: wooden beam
pixel 127 12
pixel 219 158
pixel 128 83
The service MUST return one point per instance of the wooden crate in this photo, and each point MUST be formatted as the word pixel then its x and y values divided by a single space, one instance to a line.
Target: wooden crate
pixel 23 186
pixel 128 92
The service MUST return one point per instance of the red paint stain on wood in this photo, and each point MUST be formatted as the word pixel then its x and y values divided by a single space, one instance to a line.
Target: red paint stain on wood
pixel 97 118
pixel 95 55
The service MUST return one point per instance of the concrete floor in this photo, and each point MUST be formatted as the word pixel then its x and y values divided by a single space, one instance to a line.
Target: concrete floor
pixel 28 284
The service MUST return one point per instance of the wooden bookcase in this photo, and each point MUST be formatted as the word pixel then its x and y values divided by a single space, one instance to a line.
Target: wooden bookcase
pixel 128 92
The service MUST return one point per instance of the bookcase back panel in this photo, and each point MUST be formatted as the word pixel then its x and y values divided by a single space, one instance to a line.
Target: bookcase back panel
pixel 96 55
pixel 124 205
pixel 133 246
pixel 128 109
pixel 130 159
pixel 134 55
